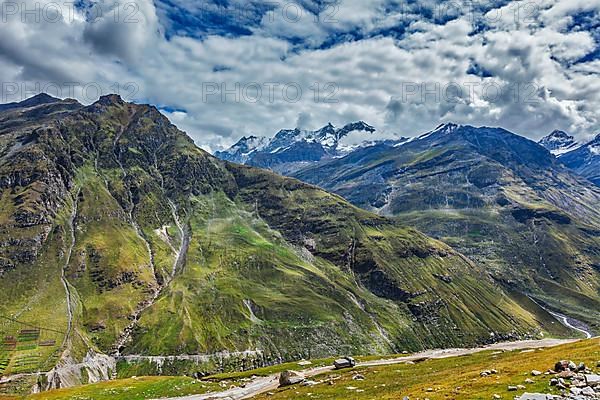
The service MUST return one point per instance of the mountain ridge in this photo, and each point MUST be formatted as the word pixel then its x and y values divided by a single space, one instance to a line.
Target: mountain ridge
pixel 39 99
pixel 299 154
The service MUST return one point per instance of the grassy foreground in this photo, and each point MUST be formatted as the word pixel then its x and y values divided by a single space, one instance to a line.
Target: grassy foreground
pixel 450 378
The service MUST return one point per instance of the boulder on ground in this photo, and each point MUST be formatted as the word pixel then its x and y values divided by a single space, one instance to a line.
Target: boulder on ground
pixel 536 372
pixel 592 380
pixel 536 396
pixel 575 391
pixel 572 366
pixel 588 391
pixel 566 374
pixel 564 365
pixel 287 378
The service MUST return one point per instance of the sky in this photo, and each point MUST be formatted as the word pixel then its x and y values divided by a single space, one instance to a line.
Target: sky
pixel 223 69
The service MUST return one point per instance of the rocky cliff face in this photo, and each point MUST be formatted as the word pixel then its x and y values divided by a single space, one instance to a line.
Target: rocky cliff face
pixel 120 236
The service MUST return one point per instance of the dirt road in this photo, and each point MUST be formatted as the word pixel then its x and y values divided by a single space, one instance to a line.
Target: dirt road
pixel 270 383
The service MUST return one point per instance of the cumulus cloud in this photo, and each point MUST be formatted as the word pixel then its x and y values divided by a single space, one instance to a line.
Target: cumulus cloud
pixel 401 67
pixel 122 30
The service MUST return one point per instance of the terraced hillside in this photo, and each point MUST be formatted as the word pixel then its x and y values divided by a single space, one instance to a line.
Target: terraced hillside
pixel 120 236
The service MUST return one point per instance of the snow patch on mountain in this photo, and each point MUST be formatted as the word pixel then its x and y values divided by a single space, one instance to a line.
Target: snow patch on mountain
pixel 443 129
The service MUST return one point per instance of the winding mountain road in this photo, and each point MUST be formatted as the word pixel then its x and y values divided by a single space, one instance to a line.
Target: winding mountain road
pixel 269 383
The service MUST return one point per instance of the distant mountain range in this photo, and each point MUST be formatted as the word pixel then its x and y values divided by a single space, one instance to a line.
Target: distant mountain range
pixel 501 199
pixel 583 158
pixel 292 149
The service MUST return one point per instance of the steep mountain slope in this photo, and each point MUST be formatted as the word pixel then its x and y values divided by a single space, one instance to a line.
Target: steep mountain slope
pixel 585 160
pixel 119 235
pixel 292 149
pixel 499 198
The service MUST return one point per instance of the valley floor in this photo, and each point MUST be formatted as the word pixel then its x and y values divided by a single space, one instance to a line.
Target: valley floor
pixel 434 374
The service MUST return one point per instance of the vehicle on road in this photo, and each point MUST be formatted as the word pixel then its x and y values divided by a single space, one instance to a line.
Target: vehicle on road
pixel 346 362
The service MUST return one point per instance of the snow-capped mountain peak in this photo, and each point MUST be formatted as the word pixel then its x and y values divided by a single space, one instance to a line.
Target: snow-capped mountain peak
pixel 243 149
pixel 359 126
pixel 353 136
pixel 559 142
